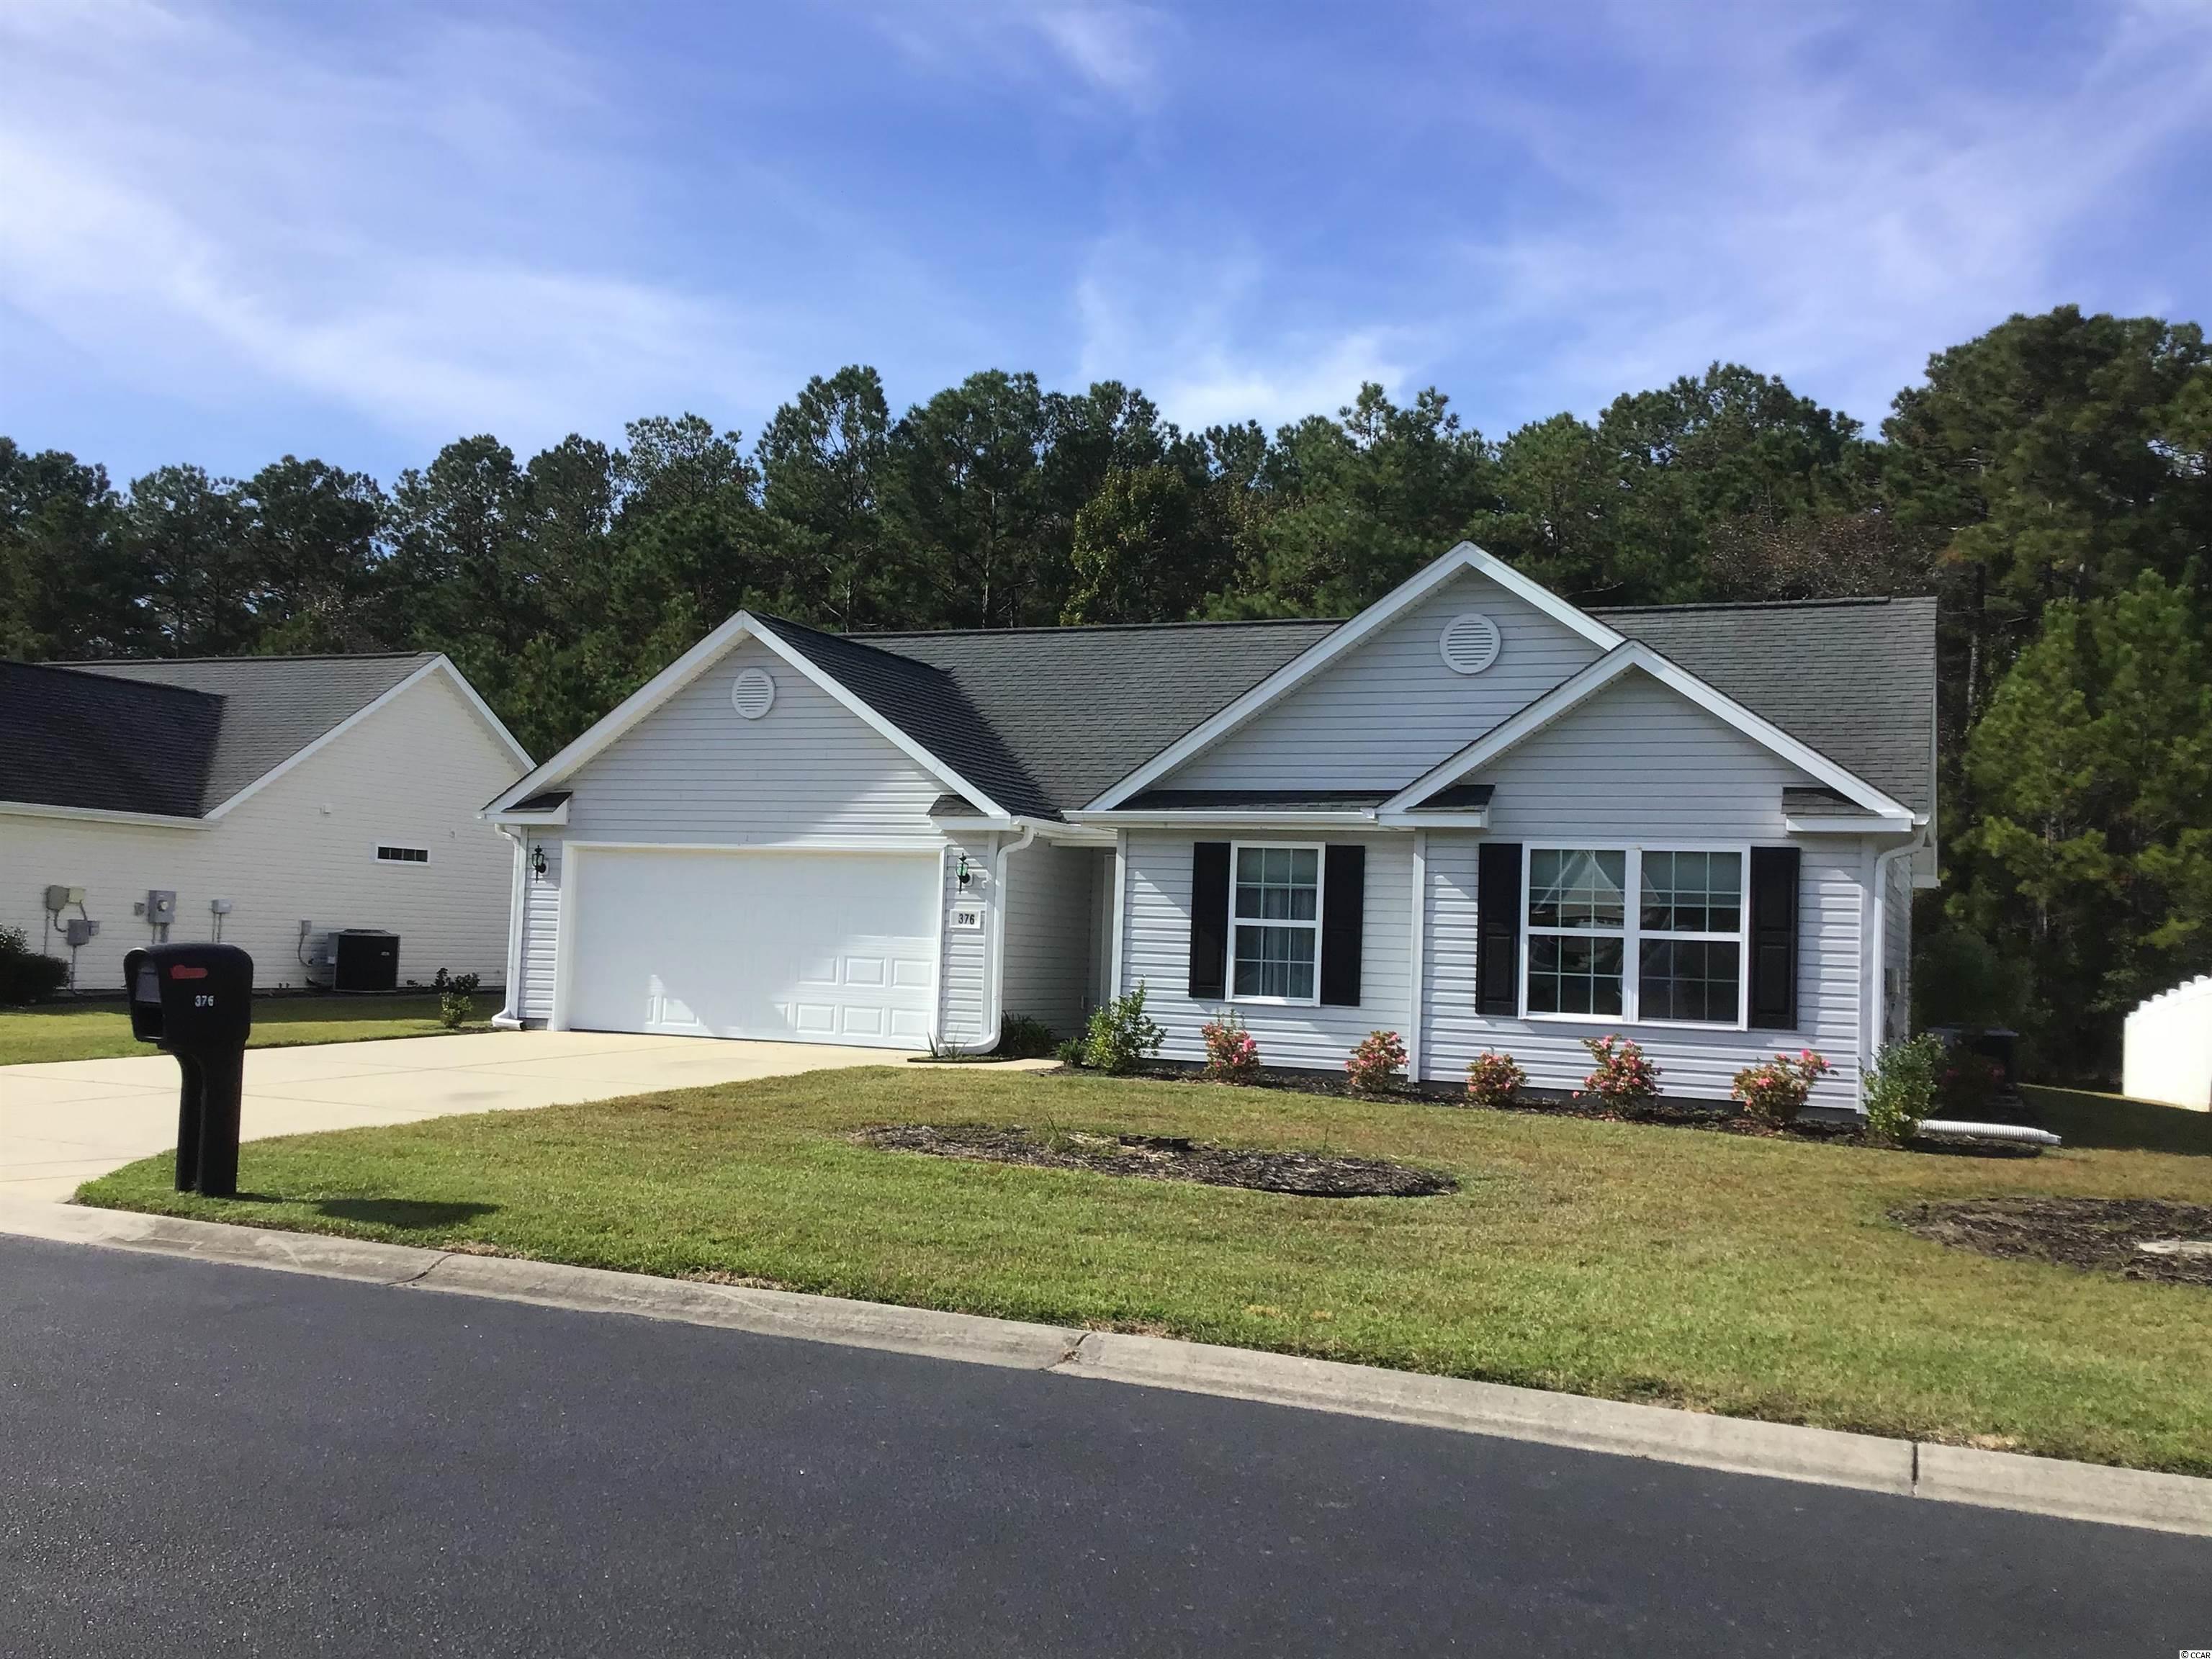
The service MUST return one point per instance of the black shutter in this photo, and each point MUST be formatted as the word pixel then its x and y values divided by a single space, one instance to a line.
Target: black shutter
pixel 1497 929
pixel 1774 939
pixel 1209 920
pixel 1343 919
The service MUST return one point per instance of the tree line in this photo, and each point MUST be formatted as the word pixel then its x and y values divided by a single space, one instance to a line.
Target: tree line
pixel 2048 481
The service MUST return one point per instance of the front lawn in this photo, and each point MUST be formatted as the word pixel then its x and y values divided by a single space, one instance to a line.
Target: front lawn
pixel 1756 1277
pixel 101 1030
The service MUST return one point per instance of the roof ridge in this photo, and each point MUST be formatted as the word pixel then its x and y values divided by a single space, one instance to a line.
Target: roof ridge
pixel 280 656
pixel 1092 628
pixel 1759 604
pixel 76 670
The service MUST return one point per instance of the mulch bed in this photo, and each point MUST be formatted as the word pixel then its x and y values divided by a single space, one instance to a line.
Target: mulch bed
pixel 1166 1157
pixel 2096 1233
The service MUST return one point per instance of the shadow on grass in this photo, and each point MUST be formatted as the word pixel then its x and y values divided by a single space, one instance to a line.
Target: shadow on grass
pixel 2119 1124
pixel 414 1213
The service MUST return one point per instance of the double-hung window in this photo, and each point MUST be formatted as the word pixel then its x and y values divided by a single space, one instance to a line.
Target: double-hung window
pixel 1275 936
pixel 1634 933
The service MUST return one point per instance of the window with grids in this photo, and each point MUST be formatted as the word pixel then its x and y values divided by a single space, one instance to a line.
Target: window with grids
pixel 1684 934
pixel 1689 954
pixel 1578 930
pixel 1277 935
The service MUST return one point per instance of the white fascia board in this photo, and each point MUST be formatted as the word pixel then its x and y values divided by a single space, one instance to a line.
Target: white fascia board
pixel 439 664
pixel 1230 819
pixel 1866 826
pixel 1323 652
pixel 32 809
pixel 1458 817
pixel 696 661
pixel 511 820
pixel 1578 689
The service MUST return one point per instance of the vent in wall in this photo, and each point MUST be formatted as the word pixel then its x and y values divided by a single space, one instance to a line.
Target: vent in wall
pixel 1469 644
pixel 752 694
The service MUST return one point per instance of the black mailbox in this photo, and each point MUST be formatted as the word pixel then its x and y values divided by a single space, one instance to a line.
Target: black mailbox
pixel 196 1001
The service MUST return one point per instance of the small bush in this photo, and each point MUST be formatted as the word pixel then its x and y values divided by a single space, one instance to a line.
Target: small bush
pixel 1967 1084
pixel 1494 1080
pixel 1621 1079
pixel 1900 1090
pixel 1775 1091
pixel 1021 1037
pixel 1231 1055
pixel 1375 1063
pixel 1071 1052
pixel 1121 1034
pixel 455 992
pixel 27 975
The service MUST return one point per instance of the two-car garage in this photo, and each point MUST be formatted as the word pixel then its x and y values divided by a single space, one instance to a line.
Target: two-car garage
pixel 805 946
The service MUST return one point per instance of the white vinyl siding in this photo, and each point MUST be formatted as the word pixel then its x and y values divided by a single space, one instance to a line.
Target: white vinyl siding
pixel 1638 761
pixel 1694 1062
pixel 1155 950
pixel 414 773
pixel 1049 947
pixel 1390 709
pixel 541 927
pixel 962 988
pixel 694 770
pixel 1897 954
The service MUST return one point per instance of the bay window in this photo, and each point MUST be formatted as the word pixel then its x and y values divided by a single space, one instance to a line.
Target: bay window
pixel 1275 945
pixel 1672 953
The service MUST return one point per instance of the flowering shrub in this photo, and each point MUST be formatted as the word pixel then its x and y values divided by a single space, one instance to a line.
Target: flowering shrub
pixel 1375 1064
pixel 1621 1078
pixel 1231 1055
pixel 1494 1079
pixel 1775 1091
pixel 1900 1090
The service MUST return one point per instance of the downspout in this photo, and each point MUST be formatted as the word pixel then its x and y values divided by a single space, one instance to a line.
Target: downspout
pixel 994 981
pixel 1877 989
pixel 509 1018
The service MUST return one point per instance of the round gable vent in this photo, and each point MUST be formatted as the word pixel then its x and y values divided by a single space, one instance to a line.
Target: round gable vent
pixel 1470 643
pixel 752 694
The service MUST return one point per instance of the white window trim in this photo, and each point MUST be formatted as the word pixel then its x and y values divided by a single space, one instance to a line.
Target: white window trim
pixel 1631 933
pixel 1229 944
pixel 376 855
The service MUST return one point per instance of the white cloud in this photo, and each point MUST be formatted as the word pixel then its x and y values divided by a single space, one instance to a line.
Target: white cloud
pixel 223 219
pixel 1107 47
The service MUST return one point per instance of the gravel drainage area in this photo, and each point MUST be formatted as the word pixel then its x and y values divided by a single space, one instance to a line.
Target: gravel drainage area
pixel 2135 1237
pixel 1166 1157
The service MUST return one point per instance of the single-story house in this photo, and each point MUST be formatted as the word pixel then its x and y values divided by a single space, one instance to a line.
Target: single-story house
pixel 265 801
pixel 1474 814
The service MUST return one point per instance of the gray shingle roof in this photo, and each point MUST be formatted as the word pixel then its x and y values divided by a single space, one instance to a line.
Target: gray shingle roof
pixel 1252 800
pixel 1045 719
pixel 1854 678
pixel 1085 707
pixel 103 745
pixel 264 710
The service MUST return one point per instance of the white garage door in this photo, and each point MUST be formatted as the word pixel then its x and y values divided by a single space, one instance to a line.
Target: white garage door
pixel 806 947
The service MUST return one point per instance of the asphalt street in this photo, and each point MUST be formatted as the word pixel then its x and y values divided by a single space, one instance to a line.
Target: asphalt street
pixel 202 1460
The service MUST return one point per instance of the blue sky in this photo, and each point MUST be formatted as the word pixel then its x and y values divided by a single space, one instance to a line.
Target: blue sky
pixel 230 231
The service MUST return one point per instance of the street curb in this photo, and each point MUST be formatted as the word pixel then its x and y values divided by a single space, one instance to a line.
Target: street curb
pixel 2037 1486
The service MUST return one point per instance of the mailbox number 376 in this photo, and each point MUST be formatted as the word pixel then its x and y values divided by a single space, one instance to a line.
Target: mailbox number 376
pixel 203 1000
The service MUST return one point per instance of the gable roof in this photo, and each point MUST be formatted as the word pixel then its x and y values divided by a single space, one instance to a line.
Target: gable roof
pixel 1853 678
pixel 187 736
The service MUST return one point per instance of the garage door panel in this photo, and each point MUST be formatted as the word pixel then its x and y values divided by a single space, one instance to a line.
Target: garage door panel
pixel 810 947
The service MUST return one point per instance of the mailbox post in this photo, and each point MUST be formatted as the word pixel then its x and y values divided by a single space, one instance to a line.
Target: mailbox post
pixel 194 1001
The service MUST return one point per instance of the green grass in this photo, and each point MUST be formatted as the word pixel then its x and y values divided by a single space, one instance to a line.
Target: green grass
pixel 1754 1277
pixel 101 1030
pixel 2083 1119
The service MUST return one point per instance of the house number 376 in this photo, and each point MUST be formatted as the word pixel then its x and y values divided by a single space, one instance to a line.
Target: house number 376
pixel 202 1001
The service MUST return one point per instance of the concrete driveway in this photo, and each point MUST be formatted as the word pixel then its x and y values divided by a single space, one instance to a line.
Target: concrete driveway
pixel 64 1122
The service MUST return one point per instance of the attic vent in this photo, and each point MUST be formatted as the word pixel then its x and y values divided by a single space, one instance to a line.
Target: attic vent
pixel 1469 644
pixel 752 694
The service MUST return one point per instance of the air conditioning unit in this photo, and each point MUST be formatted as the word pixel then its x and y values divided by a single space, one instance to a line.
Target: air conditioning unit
pixel 360 959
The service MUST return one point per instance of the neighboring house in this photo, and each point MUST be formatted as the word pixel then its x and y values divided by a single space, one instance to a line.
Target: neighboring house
pixel 1473 814
pixel 2167 1052
pixel 262 794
